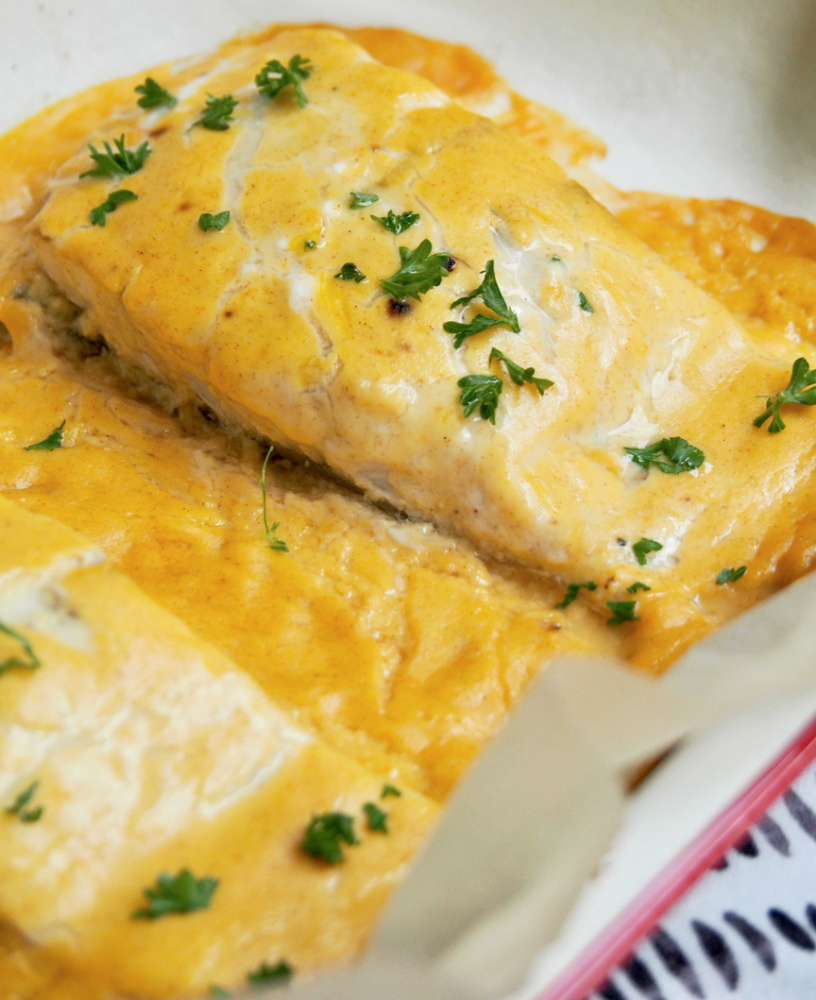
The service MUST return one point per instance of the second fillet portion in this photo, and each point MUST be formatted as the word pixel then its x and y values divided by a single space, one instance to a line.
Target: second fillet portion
pixel 279 323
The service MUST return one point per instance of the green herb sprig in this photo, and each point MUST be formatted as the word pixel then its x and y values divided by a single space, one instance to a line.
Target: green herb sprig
pixel 390 790
pixel 122 161
pixel 208 221
pixel 397 224
pixel 800 389
pixel 99 215
pixel 181 893
pixel 270 975
pixel 730 575
pixel 49 443
pixel 326 834
pixel 275 77
pixel 622 612
pixel 359 199
pixel 350 272
pixel 377 818
pixel 217 113
pixel 154 95
pixel 643 547
pixel 518 374
pixel 275 543
pixel 419 272
pixel 491 296
pixel 480 392
pixel 572 592
pixel 32 661
pixel 678 455
pixel 635 587
pixel 18 807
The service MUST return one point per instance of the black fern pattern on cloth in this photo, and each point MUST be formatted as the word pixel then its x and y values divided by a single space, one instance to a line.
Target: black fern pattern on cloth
pixel 748 928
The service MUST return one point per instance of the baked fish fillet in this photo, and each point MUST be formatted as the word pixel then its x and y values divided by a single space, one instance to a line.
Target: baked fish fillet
pixel 256 321
pixel 129 749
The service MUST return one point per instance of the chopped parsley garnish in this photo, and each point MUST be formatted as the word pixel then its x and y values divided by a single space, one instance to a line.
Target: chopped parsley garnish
pixel 730 575
pixel 350 272
pixel 274 77
pixel 18 807
pixel 622 611
pixel 397 224
pixel 390 790
pixel 518 374
pixel 181 893
pixel 679 455
pixel 31 663
pixel 636 587
pixel 99 215
pixel 419 272
pixel 50 443
pixel 219 993
pixel 572 592
pixel 800 389
pixel 359 199
pixel 207 221
pixel 114 164
pixel 278 544
pixel 482 392
pixel 491 296
pixel 309 245
pixel 217 113
pixel 324 834
pixel 154 95
pixel 270 975
pixel 377 819
pixel 584 303
pixel 644 546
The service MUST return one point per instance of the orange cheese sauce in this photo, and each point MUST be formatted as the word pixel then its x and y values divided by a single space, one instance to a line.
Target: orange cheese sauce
pixel 399 646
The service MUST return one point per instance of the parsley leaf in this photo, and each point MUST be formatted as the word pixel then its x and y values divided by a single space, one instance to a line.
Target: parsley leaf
pixel 478 324
pixel 207 221
pixel 274 77
pixel 390 790
pixel 520 375
pixel 33 661
pixel 730 575
pixel 99 215
pixel 643 546
pixel 680 456
pixel 572 592
pixel 350 272
pixel 324 834
pixel 584 303
pixel 217 113
pixel 278 544
pixel 800 389
pixel 480 391
pixel 181 893
pixel 492 297
pixel 154 95
pixel 419 272
pixel 219 993
pixel 270 975
pixel 359 199
pixel 309 245
pixel 636 587
pixel 123 161
pixel 622 611
pixel 397 224
pixel 18 807
pixel 50 443
pixel 377 819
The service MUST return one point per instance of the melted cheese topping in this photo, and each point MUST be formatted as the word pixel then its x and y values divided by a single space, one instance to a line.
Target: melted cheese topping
pixel 153 753
pixel 397 645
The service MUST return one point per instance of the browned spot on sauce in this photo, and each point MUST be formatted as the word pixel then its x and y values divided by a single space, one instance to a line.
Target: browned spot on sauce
pixel 398 307
pixel 184 206
pixel 159 131
pixel 228 313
